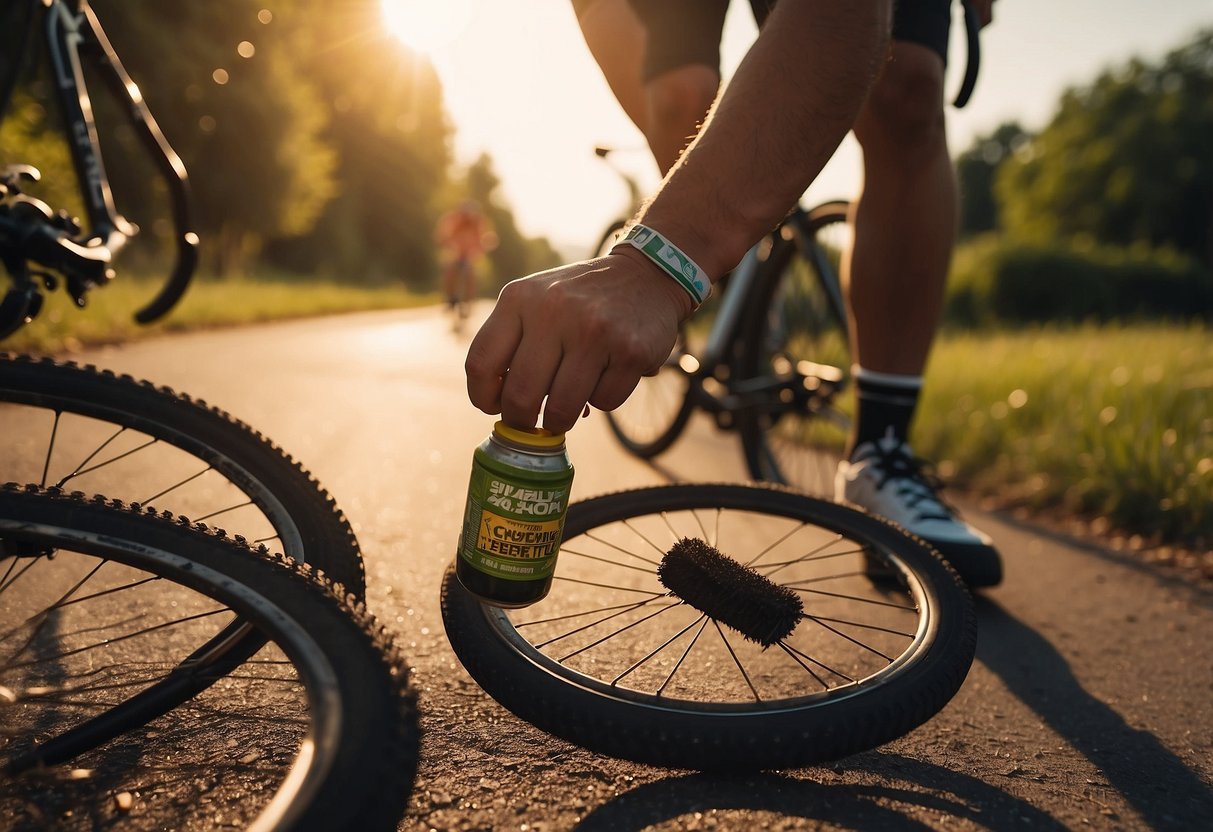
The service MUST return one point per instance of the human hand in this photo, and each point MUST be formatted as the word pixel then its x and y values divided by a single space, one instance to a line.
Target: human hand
pixel 579 334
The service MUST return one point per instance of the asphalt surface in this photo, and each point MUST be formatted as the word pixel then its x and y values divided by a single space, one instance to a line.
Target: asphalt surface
pixel 1090 704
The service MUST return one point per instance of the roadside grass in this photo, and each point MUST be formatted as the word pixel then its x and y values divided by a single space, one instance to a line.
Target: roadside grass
pixel 208 303
pixel 1112 423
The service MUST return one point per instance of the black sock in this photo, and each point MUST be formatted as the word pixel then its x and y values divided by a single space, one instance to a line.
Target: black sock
pixel 886 405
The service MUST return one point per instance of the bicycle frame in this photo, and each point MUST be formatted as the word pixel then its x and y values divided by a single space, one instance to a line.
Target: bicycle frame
pixel 73 35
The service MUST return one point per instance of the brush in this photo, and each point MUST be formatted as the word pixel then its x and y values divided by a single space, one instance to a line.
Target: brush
pixel 735 595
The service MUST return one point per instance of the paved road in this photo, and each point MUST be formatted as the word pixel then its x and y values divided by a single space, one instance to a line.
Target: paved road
pixel 1090 704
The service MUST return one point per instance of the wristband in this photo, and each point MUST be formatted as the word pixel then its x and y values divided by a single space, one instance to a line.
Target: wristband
pixel 671 260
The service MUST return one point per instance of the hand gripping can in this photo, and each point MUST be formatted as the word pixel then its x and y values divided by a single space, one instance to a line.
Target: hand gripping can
pixel 517 500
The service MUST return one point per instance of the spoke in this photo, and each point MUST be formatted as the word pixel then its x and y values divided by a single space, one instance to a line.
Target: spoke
pixel 810 557
pixel 653 653
pixel 736 660
pixel 37 629
pixel 81 599
pixel 50 448
pixel 264 539
pixel 518 625
pixel 790 649
pixel 820 618
pixel 711 538
pixel 224 511
pixel 858 598
pixel 776 542
pixel 821 622
pixel 618 612
pixel 610 636
pixel 618 548
pixel 88 647
pixel 796 658
pixel 6 583
pixel 834 577
pixel 702 621
pixel 609 586
pixel 636 532
pixel 178 485
pixel 81 471
pixel 646 570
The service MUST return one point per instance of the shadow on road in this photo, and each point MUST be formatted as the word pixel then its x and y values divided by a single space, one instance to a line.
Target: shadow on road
pixel 869 807
pixel 1155 782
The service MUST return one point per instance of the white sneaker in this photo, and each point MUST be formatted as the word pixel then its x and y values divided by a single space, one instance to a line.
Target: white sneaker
pixel 886 479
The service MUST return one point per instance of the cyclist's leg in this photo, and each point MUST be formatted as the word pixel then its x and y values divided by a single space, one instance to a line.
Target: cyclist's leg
pixel 681 70
pixel 905 228
pixel 467 280
pixel 616 38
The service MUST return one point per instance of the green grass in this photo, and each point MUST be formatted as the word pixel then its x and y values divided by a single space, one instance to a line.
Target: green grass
pixel 209 303
pixel 1113 423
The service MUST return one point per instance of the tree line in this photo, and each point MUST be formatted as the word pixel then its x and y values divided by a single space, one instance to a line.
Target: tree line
pixel 1107 211
pixel 315 142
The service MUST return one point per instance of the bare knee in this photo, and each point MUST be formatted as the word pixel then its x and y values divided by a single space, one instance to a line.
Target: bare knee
pixel 904 112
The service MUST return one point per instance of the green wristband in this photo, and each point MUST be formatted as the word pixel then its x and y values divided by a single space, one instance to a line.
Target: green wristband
pixel 671 260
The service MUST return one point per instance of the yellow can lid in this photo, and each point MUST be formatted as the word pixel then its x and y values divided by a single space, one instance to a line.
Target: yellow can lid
pixel 530 437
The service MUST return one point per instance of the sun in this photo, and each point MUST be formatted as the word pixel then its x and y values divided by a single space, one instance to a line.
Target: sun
pixel 425 26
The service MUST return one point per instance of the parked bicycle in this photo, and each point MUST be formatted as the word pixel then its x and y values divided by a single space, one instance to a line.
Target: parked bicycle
pixel 140 651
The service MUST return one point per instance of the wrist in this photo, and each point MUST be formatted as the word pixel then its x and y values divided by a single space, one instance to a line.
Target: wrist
pixel 680 300
pixel 671 260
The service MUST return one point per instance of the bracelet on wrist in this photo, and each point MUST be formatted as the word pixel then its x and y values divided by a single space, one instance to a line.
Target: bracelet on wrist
pixel 671 260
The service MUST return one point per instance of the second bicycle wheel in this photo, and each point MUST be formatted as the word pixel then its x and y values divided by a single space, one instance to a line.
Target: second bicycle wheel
pixel 794 339
pixel 97 603
pixel 815 631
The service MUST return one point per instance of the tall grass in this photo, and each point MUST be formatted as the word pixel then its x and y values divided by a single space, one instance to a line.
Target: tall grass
pixel 1112 422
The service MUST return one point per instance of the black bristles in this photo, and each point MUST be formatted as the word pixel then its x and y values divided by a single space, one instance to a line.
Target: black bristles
pixel 735 595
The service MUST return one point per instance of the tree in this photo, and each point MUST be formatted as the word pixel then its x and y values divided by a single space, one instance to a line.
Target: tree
pixel 228 93
pixel 1125 160
pixel 975 172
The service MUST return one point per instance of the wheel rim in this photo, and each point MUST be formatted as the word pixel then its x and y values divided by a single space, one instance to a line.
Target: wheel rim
pixel 610 627
pixel 799 441
pixel 89 627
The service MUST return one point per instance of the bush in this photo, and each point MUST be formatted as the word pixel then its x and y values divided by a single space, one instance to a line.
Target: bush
pixel 998 280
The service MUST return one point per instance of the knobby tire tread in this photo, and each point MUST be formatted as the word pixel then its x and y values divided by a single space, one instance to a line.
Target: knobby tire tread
pixel 377 750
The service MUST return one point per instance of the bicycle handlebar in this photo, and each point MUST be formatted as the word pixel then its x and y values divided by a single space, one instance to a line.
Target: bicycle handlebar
pixel 973 38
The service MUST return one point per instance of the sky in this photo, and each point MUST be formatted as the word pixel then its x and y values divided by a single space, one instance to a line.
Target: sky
pixel 520 84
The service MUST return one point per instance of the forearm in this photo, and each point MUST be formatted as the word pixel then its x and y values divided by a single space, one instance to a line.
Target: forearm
pixel 788 106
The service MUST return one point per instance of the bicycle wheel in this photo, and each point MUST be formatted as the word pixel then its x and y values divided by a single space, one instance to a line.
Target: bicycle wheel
pixel 656 412
pixel 318 731
pixel 81 428
pixel 617 661
pixel 795 336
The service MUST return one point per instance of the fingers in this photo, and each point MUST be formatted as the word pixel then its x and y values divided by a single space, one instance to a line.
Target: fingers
pixel 489 357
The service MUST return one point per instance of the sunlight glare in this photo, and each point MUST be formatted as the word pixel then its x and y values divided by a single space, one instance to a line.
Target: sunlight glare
pixel 426 26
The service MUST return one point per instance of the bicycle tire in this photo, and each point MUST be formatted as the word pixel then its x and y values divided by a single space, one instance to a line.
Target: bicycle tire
pixel 255 477
pixel 308 522
pixel 795 327
pixel 355 757
pixel 515 656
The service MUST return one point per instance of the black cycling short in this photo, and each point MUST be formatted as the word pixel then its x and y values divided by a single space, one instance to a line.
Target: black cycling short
pixel 683 32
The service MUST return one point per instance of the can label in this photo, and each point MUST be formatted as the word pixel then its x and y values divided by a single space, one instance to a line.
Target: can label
pixel 512 530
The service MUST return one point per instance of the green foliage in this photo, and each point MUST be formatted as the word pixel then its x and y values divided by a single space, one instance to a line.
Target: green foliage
pixel 998 279
pixel 25 138
pixel 976 169
pixel 1110 422
pixel 1125 160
